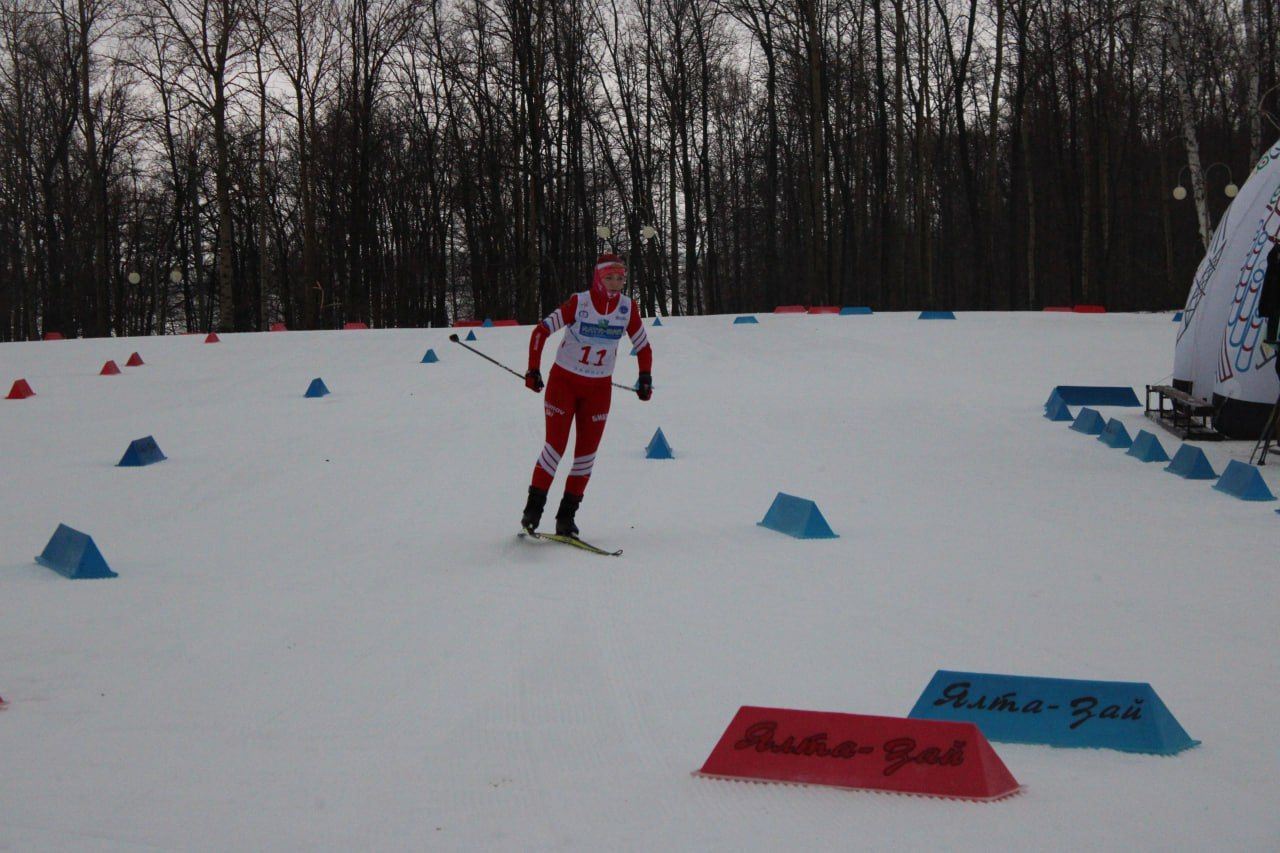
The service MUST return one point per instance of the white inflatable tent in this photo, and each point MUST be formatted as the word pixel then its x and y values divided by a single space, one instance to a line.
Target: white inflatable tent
pixel 1217 355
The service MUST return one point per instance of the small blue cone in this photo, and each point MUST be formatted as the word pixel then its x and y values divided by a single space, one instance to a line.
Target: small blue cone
pixel 316 388
pixel 1089 422
pixel 798 517
pixel 72 554
pixel 1177 318
pixel 471 335
pixel 487 324
pixel 658 448
pixel 850 310
pixel 1056 410
pixel 1147 448
pixel 1115 436
pixel 936 315
pixel 740 321
pixel 1191 463
pixel 142 451
pixel 657 321
pixel 1243 481
pixel 430 357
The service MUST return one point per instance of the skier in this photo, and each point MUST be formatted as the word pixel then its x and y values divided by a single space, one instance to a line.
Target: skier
pixel 580 385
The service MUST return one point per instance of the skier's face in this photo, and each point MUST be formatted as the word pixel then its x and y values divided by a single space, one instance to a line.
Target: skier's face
pixel 614 279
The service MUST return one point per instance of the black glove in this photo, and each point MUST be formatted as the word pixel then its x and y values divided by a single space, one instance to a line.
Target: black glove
pixel 644 386
pixel 533 380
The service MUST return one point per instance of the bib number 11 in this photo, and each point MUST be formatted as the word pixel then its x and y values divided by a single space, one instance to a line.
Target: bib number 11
pixel 586 355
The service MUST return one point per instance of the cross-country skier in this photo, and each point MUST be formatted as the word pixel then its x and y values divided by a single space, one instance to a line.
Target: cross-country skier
pixel 580 385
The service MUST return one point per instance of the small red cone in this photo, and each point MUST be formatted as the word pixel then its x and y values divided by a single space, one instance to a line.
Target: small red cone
pixel 109 369
pixel 135 360
pixel 212 338
pixel 20 391
pixel 279 327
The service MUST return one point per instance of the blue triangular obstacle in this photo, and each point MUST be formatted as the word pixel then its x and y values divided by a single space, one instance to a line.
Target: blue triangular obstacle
pixel 1089 422
pixel 487 324
pixel 1177 318
pixel 142 451
pixel 797 517
pixel 471 335
pixel 1147 448
pixel 72 554
pixel 1114 435
pixel 316 388
pixel 1243 481
pixel 657 321
pixel 937 315
pixel 1056 410
pixel 658 448
pixel 1191 463
pixel 744 320
pixel 854 309
pixel 430 357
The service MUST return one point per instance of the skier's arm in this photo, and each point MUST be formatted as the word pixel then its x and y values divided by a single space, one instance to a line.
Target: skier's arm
pixel 640 342
pixel 554 322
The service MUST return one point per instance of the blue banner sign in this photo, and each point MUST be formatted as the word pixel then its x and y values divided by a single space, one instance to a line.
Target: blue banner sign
pixel 1123 715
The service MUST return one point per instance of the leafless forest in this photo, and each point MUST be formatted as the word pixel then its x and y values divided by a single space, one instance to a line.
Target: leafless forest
pixel 177 165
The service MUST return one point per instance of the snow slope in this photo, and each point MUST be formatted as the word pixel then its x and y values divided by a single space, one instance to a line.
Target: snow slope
pixel 325 634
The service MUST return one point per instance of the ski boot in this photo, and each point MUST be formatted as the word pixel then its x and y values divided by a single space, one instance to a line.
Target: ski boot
pixel 533 509
pixel 564 516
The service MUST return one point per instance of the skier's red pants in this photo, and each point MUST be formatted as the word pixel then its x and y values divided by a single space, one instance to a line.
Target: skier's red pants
pixel 572 399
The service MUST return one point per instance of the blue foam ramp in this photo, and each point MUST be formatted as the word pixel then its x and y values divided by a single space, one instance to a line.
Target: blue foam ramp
pixel 1089 422
pixel 1191 463
pixel 658 447
pixel 657 321
pixel 1063 712
pixel 738 321
pixel 936 315
pixel 317 388
pixel 1114 435
pixel 1177 318
pixel 72 554
pixel 487 324
pixel 1097 395
pixel 141 451
pixel 471 336
pixel 849 310
pixel 1056 410
pixel 1242 480
pixel 1147 448
pixel 430 357
pixel 798 517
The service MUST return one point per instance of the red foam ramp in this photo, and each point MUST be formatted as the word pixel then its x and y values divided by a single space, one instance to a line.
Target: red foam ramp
pixel 20 391
pixel 109 369
pixel 462 324
pixel 789 309
pixel 53 336
pixel 212 338
pixel 1089 309
pixel 135 360
pixel 279 327
pixel 506 323
pixel 355 325
pixel 825 309
pixel 859 751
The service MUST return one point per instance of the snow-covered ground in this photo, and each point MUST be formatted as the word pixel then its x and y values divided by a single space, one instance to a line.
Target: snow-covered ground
pixel 325 634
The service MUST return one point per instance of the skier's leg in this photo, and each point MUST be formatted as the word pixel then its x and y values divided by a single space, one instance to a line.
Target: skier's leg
pixel 558 405
pixel 590 416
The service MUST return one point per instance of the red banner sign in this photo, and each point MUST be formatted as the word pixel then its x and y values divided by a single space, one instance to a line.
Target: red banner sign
pixel 858 751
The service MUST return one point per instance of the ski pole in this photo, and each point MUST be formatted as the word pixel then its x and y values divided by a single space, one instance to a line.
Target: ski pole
pixel 460 342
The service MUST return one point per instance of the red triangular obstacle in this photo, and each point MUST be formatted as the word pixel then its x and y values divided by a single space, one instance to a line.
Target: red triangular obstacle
pixel 109 369
pixel 212 338
pixel 20 391
pixel 135 360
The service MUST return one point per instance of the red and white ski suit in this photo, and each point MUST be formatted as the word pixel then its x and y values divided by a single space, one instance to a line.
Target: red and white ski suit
pixel 579 388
